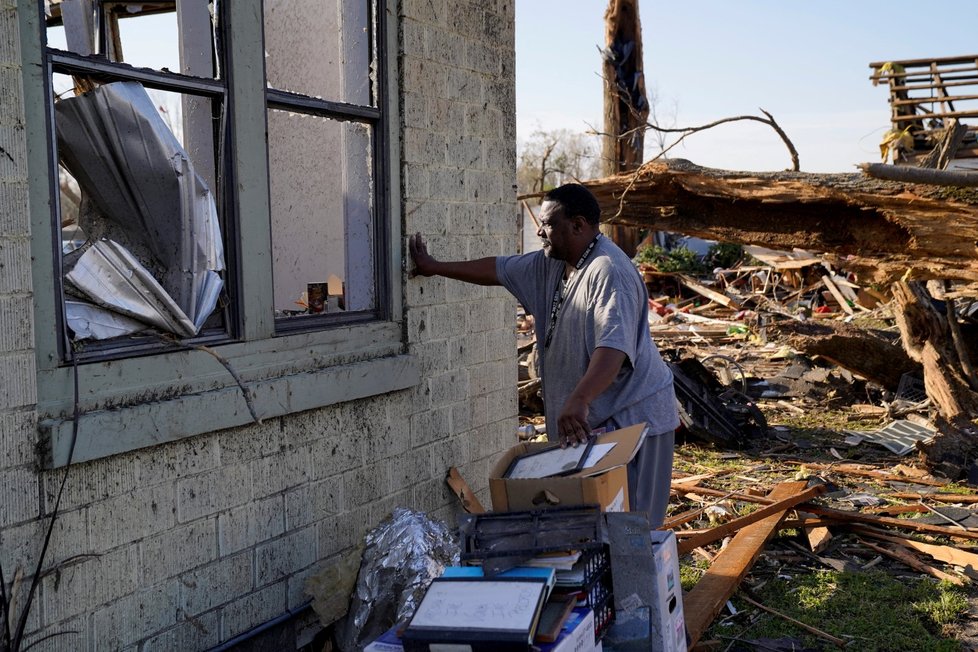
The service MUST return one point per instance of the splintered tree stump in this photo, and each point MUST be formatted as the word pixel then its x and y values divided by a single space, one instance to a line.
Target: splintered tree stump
pixel 858 350
pixel 927 338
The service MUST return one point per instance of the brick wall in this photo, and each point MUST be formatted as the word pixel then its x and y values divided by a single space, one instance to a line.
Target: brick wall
pixel 190 543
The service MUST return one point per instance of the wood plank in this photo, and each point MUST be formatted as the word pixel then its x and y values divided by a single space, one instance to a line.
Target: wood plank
pixel 841 300
pixel 899 523
pixel 706 491
pixel 465 495
pixel 905 556
pixel 948 554
pixel 702 604
pixel 717 533
pixel 712 295
pixel 819 536
pixel 849 469
pixel 964 499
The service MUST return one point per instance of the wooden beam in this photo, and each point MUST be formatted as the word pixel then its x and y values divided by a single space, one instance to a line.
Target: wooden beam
pixel 712 295
pixel 717 533
pixel 704 601
pixel 899 523
pixel 465 495
pixel 905 556
pixel 964 499
pixel 947 554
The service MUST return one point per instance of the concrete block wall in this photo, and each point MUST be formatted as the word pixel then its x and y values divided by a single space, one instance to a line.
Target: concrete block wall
pixel 459 151
pixel 188 544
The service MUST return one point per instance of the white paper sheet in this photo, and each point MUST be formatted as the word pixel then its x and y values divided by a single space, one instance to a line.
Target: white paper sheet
pixel 598 451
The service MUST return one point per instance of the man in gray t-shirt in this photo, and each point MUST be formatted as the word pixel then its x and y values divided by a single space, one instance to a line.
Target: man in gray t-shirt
pixel 594 353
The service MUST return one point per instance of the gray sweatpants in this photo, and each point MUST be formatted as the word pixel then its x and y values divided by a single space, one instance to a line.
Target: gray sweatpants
pixel 650 477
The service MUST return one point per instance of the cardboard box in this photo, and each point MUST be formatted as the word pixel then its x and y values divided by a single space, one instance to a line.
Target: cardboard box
pixel 577 635
pixel 605 484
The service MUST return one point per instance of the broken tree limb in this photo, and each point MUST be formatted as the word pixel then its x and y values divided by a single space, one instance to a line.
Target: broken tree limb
pixel 881 229
pixel 808 628
pixel 706 491
pixel 720 531
pixel 769 121
pixel 920 175
pixel 704 601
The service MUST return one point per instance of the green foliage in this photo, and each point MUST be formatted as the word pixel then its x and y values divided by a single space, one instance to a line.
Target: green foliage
pixel 690 573
pixel 874 610
pixel 723 255
pixel 679 259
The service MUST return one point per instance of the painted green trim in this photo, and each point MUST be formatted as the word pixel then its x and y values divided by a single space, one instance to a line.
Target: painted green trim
pixel 396 267
pixel 109 432
pixel 40 170
pixel 246 76
pixel 131 381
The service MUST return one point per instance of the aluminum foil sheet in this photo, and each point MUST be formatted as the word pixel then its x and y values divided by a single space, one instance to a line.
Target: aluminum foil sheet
pixel 402 555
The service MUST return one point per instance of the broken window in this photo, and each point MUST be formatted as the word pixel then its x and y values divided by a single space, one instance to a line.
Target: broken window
pixel 323 126
pixel 142 239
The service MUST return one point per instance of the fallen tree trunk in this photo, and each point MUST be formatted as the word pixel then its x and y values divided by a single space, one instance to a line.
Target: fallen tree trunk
pixel 855 349
pixel 885 230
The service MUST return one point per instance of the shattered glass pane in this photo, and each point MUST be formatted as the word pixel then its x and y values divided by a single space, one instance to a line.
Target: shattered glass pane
pixel 165 35
pixel 320 48
pixel 150 40
pixel 322 213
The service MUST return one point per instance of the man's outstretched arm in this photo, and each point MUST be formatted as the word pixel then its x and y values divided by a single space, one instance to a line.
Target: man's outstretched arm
pixel 481 271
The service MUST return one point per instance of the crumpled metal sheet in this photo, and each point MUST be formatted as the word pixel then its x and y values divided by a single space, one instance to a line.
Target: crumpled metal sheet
pixel 402 555
pixel 112 277
pixel 89 321
pixel 124 156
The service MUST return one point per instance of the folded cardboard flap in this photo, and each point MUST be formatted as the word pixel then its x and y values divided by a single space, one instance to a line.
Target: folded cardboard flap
pixel 604 484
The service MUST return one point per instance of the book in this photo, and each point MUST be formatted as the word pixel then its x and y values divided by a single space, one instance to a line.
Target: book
pixel 555 613
pixel 487 615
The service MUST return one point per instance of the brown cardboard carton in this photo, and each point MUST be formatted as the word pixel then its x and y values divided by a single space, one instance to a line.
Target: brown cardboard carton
pixel 605 484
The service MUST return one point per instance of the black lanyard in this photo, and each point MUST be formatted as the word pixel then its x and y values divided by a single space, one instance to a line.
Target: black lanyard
pixel 559 295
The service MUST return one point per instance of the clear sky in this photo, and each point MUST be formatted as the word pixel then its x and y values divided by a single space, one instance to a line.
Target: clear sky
pixel 804 62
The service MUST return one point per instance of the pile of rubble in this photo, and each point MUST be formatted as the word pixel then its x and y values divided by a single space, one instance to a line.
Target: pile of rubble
pixel 794 375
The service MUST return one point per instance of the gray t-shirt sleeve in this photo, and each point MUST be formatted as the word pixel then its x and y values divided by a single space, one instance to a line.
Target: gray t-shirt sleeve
pixel 523 275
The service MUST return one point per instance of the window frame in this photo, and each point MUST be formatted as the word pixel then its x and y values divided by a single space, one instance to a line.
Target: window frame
pixel 143 400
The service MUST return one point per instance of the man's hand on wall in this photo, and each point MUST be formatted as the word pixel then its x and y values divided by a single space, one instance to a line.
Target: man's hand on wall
pixel 423 261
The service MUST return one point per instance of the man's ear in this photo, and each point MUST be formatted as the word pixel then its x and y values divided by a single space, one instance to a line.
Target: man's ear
pixel 578 224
